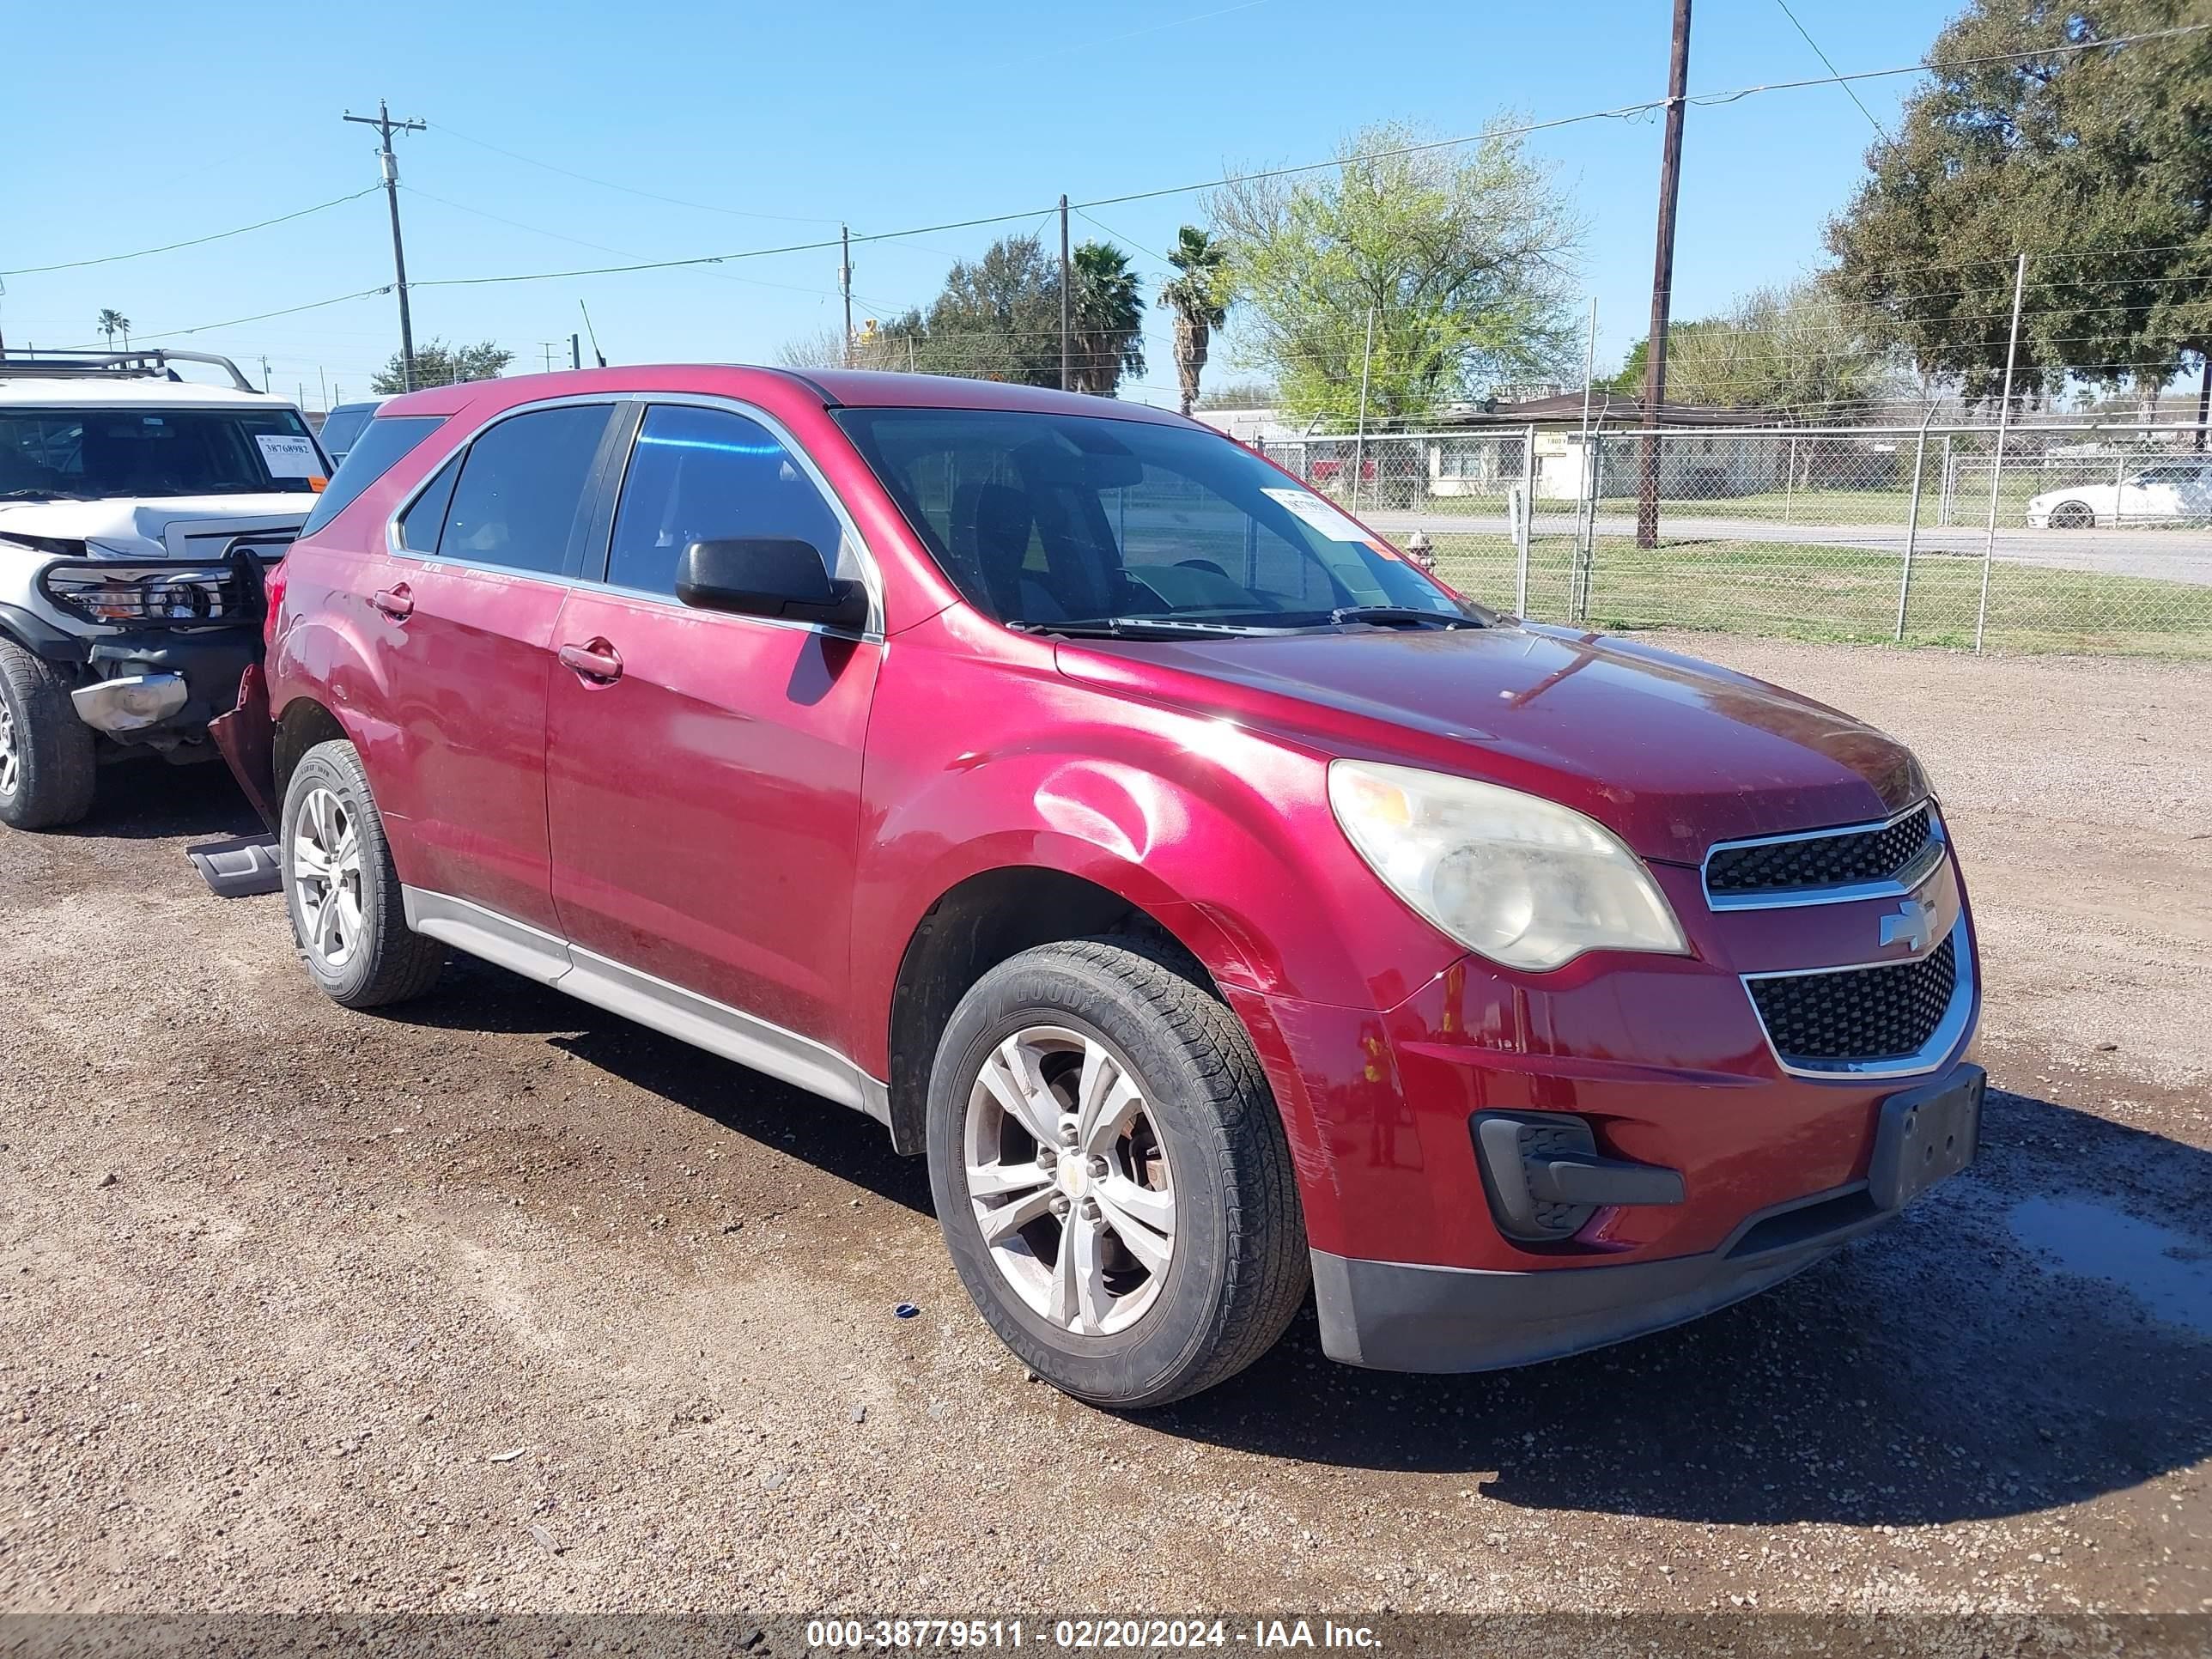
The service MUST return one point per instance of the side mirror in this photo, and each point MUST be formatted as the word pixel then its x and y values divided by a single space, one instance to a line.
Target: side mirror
pixel 764 577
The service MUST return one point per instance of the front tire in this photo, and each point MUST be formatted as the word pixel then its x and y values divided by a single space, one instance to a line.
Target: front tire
pixel 341 890
pixel 2072 515
pixel 47 764
pixel 1111 1176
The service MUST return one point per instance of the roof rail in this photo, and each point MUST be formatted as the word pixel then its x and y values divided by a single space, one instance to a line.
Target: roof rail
pixel 81 365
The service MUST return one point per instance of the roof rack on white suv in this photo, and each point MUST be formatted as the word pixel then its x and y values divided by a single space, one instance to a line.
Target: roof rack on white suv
pixel 77 365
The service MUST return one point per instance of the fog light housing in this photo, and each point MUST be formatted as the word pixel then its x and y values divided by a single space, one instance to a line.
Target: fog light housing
pixel 1544 1179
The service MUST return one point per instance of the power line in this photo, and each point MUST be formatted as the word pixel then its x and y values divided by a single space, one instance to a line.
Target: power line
pixel 1850 90
pixel 1519 129
pixel 263 316
pixel 628 190
pixel 195 241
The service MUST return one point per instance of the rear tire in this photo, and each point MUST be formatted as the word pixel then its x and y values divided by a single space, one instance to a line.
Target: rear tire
pixel 341 891
pixel 1127 1217
pixel 47 765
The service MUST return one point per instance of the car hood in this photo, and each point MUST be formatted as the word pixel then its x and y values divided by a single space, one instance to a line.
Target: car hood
pixel 1670 753
pixel 170 527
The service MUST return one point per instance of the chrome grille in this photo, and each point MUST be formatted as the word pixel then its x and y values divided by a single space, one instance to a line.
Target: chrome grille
pixel 1846 859
pixel 1858 1015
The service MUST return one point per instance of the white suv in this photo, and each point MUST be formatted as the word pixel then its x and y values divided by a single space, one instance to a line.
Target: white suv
pixel 136 509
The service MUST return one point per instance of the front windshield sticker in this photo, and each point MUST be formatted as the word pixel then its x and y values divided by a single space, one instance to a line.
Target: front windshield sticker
pixel 290 456
pixel 1319 513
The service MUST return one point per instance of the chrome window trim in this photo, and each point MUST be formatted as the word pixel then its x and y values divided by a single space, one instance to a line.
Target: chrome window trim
pixel 1908 880
pixel 395 548
pixel 871 577
pixel 1950 1031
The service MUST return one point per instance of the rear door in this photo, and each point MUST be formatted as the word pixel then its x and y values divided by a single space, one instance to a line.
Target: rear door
pixel 464 604
pixel 704 799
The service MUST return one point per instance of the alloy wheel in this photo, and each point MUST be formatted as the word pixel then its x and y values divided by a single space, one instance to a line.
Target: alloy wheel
pixel 12 751
pixel 326 878
pixel 1068 1180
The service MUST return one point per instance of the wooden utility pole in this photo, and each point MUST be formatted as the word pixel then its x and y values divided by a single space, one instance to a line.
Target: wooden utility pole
pixel 845 287
pixel 1066 302
pixel 385 126
pixel 1662 283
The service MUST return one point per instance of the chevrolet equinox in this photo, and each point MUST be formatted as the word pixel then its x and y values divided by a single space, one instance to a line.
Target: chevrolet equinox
pixel 1222 906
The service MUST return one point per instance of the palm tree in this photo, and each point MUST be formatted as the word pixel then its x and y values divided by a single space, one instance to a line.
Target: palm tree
pixel 112 322
pixel 1107 319
pixel 1195 297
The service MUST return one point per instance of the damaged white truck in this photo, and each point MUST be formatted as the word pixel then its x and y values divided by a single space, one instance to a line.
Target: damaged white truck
pixel 137 512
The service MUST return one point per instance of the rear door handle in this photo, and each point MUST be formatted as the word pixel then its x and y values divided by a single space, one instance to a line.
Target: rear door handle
pixel 396 602
pixel 596 661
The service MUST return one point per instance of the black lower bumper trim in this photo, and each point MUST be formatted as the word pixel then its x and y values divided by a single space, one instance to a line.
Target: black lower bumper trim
pixel 1397 1316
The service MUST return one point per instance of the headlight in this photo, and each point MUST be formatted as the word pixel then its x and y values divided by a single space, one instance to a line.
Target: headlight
pixel 1525 882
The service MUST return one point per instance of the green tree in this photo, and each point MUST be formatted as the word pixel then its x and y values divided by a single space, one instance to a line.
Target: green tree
pixel 1465 259
pixel 437 363
pixel 997 318
pixel 2093 162
pixel 1195 294
pixel 112 322
pixel 1798 352
pixel 1106 320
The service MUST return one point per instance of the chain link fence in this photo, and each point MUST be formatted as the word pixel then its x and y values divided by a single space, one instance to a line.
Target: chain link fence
pixel 2078 538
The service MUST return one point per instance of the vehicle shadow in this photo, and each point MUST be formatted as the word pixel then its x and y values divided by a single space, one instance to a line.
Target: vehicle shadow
pixel 474 996
pixel 150 801
pixel 2035 1333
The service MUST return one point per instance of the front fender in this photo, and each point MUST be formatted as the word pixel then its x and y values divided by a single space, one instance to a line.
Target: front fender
pixel 1221 834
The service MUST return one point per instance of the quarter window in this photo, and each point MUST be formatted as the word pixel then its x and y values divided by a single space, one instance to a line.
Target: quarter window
pixel 521 486
pixel 420 524
pixel 709 475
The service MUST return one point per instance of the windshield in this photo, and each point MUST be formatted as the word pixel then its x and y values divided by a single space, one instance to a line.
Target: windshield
pixel 1047 520
pixel 99 454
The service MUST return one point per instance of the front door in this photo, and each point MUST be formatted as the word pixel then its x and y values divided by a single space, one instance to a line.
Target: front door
pixel 703 769
pixel 465 610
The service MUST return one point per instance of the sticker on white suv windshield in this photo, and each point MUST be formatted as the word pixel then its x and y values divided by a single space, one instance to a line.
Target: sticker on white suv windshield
pixel 1318 513
pixel 288 456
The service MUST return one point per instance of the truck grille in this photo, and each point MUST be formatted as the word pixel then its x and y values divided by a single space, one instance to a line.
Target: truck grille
pixel 1883 853
pixel 1858 1014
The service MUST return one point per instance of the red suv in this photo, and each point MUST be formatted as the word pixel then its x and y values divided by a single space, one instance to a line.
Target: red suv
pixel 1218 903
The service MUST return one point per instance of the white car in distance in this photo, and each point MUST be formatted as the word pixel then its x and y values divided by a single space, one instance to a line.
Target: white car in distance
pixel 2160 493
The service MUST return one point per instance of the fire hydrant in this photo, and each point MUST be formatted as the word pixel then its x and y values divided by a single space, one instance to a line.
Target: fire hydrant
pixel 1421 550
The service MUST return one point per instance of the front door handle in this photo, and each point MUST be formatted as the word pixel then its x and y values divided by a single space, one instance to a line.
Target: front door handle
pixel 397 602
pixel 596 661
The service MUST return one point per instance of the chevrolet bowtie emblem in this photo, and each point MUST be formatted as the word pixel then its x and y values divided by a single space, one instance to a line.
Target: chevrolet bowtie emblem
pixel 1913 926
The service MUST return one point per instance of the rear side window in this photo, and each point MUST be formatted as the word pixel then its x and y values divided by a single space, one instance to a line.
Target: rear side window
pixel 376 452
pixel 342 427
pixel 521 485
pixel 708 474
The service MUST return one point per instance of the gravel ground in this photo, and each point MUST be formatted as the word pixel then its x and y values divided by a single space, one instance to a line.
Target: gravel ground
pixel 500 1302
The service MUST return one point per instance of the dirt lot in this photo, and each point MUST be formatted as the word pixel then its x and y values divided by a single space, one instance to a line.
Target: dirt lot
pixel 502 1303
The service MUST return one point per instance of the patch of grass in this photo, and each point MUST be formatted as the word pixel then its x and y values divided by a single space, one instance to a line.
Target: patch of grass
pixel 1794 590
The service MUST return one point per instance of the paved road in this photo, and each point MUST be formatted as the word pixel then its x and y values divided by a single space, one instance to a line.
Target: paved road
pixel 498 1303
pixel 2179 556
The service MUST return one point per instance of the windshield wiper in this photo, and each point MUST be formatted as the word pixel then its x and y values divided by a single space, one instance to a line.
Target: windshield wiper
pixel 1138 628
pixel 1400 615
pixel 46 495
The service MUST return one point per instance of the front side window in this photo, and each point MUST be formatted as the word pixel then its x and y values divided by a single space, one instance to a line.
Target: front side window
pixel 521 486
pixel 1043 519
pixel 135 452
pixel 702 474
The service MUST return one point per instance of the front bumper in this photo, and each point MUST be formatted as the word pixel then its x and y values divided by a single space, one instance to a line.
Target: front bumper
pixel 197 675
pixel 1399 1317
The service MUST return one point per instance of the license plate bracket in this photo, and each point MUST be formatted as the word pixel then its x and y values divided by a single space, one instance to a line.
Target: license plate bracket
pixel 1925 1135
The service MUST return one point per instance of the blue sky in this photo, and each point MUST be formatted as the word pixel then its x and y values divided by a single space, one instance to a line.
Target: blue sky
pixel 778 122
